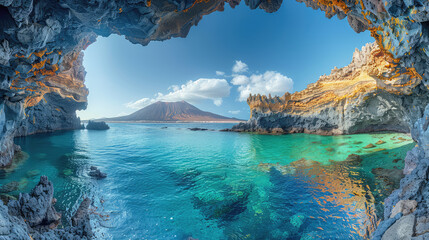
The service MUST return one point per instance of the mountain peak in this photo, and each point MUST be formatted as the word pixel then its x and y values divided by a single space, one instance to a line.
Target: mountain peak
pixel 180 111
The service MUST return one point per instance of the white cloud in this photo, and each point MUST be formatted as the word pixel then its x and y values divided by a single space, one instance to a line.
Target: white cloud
pixel 240 80
pixel 220 73
pixel 270 82
pixel 234 112
pixel 239 67
pixel 140 103
pixel 193 91
pixel 217 102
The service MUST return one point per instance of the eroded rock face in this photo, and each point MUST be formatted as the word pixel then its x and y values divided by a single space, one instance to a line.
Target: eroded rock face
pixel 33 216
pixel 353 99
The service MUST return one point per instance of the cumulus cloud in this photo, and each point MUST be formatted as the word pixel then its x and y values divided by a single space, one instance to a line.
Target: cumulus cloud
pixel 193 91
pixel 140 103
pixel 270 82
pixel 239 67
pixel 220 73
pixel 234 112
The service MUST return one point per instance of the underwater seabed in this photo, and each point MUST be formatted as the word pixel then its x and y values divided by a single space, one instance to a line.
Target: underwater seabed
pixel 167 182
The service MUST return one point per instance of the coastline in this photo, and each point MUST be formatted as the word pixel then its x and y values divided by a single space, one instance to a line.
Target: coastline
pixel 238 121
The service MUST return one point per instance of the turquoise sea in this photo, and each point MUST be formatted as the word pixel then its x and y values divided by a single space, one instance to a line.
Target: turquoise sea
pixel 168 182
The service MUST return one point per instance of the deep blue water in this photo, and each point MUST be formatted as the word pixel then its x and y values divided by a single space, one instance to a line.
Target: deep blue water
pixel 173 183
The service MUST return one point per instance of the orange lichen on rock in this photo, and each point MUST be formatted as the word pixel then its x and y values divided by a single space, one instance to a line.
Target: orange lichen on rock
pixel 335 3
pixel 196 2
pixel 67 84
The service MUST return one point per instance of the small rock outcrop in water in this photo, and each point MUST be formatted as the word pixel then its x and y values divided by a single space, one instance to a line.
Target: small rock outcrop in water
pixel 33 216
pixel 352 99
pixel 198 129
pixel 96 173
pixel 92 125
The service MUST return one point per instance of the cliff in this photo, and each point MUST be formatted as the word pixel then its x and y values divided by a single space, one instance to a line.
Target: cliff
pixel 354 99
pixel 54 100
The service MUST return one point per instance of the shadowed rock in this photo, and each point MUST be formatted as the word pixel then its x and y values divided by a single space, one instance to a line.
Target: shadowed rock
pixel 92 125
pixel 33 215
pixel 37 206
pixel 96 173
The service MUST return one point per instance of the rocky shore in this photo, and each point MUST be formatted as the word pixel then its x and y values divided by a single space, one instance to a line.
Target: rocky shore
pixel 406 213
pixel 352 99
pixel 33 216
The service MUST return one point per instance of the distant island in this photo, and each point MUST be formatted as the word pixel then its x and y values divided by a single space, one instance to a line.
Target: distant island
pixel 171 112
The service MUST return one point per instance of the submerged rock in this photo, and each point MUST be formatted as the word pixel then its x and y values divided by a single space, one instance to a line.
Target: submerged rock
pixel 329 149
pixel 391 175
pixel 9 187
pixel 370 146
pixel 380 142
pixel 33 173
pixel 67 172
pixel 354 158
pixel 92 125
pixel 297 220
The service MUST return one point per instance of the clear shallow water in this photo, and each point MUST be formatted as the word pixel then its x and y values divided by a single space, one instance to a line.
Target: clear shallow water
pixel 173 183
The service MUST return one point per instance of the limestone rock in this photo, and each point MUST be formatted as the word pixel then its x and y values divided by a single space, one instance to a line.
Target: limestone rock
pixel 401 229
pixel 405 207
pixel 353 99
pixel 422 225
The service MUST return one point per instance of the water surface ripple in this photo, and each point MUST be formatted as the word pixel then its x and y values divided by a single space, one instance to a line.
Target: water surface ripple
pixel 173 183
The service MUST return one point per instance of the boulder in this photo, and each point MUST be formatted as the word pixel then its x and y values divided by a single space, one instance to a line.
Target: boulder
pixel 422 225
pixel 405 207
pixel 401 229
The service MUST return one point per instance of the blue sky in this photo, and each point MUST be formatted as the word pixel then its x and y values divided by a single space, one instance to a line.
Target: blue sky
pixel 272 52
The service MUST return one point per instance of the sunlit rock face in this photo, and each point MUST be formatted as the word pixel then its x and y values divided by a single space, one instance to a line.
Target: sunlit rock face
pixel 354 99
pixel 54 100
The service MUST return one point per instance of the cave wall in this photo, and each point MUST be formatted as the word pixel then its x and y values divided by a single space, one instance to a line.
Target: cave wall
pixel 40 41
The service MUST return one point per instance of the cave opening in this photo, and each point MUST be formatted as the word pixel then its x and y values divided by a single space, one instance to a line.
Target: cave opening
pixel 226 184
pixel 293 53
